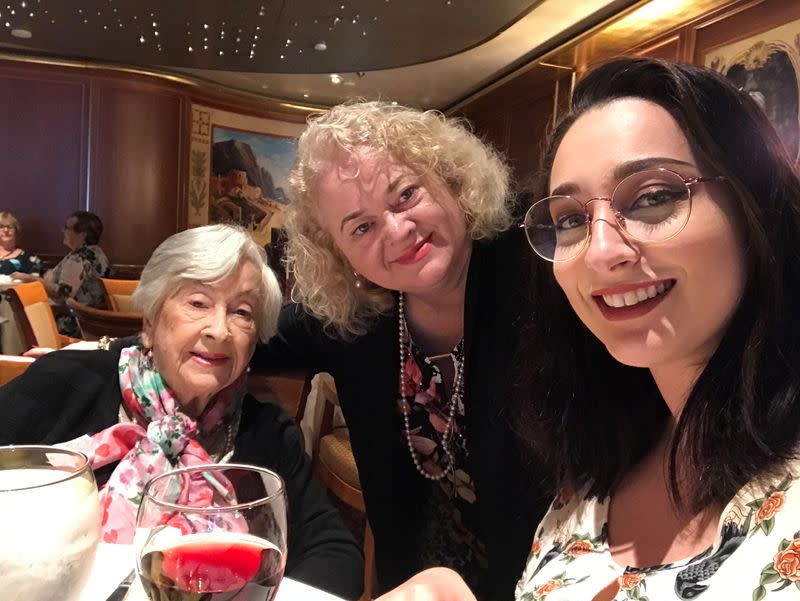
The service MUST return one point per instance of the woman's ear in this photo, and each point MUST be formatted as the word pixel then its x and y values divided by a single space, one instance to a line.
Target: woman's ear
pixel 146 337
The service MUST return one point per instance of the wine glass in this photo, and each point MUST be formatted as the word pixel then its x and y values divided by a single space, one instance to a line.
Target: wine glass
pixel 213 532
pixel 50 523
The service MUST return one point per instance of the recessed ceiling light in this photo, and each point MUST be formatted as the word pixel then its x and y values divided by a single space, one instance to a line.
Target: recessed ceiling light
pixel 320 46
pixel 305 95
pixel 25 34
pixel 336 79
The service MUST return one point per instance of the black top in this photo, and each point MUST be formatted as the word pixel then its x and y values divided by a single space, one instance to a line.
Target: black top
pixel 23 263
pixel 366 371
pixel 67 394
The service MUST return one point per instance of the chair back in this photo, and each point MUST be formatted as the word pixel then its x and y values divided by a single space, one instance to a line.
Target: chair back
pixel 11 366
pixel 118 294
pixel 96 323
pixel 34 315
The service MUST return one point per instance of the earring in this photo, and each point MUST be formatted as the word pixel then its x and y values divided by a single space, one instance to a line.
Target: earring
pixel 359 283
pixel 148 357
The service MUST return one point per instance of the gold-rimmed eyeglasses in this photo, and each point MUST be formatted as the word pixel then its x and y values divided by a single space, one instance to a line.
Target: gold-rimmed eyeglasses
pixel 649 206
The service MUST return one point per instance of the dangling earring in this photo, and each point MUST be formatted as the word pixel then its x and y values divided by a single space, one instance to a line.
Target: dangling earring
pixel 148 357
pixel 359 282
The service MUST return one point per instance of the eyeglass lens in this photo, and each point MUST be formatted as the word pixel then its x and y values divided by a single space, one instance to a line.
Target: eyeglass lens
pixel 650 206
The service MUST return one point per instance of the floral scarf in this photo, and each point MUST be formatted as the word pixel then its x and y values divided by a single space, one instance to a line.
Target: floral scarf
pixel 159 439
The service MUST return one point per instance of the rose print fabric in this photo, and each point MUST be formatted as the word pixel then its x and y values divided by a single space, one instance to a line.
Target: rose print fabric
pixel 450 512
pixel 756 554
pixel 160 438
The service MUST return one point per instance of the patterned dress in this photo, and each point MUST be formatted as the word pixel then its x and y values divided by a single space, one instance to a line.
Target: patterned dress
pixel 23 263
pixel 77 276
pixel 756 554
pixel 450 511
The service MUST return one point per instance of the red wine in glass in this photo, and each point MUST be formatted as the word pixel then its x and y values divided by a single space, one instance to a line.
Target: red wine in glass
pixel 219 566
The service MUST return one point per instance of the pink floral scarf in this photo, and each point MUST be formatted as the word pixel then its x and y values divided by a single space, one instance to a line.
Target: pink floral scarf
pixel 159 439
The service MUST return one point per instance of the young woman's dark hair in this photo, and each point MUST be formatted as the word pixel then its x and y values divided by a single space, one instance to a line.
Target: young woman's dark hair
pixel 89 223
pixel 591 418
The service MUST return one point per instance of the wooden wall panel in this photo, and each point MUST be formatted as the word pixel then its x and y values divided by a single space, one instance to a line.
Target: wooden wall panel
pixel 516 119
pixel 531 121
pixel 668 48
pixel 42 150
pixel 135 167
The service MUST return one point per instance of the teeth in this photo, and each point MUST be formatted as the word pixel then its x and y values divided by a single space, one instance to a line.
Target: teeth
pixel 634 297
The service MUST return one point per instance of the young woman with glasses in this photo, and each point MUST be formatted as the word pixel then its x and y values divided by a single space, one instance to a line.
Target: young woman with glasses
pixel 669 405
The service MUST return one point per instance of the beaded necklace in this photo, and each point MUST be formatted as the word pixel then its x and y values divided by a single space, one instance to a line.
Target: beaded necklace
pixel 405 405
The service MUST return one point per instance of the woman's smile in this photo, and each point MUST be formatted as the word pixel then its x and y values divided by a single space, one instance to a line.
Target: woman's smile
pixel 415 253
pixel 209 359
pixel 630 301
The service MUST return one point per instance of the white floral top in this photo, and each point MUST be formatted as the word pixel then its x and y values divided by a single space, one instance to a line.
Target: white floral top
pixel 756 554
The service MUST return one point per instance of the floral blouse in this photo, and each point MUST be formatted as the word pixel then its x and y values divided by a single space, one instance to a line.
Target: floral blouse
pixel 449 538
pixel 78 273
pixel 78 276
pixel 756 554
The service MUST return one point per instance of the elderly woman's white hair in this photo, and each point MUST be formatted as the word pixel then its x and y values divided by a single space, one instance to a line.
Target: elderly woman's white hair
pixel 207 254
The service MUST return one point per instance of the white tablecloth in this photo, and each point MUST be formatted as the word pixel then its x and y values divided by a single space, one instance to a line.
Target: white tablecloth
pixel 113 562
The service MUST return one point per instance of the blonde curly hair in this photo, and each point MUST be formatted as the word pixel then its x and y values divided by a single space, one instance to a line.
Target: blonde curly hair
pixel 427 142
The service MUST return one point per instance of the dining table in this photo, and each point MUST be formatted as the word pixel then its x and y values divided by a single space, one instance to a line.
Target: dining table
pixel 113 562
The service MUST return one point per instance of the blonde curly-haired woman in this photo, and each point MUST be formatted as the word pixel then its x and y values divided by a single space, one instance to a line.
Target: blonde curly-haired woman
pixel 405 262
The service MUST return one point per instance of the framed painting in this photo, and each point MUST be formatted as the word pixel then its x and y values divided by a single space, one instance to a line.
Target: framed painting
pixel 248 179
pixel 767 66
pixel 238 170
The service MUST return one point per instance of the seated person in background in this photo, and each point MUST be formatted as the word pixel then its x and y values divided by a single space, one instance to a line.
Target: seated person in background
pixel 78 274
pixel 14 261
pixel 674 423
pixel 206 295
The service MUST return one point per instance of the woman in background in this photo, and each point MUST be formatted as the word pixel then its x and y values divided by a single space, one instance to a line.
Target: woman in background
pixel 14 261
pixel 407 280
pixel 674 422
pixel 78 274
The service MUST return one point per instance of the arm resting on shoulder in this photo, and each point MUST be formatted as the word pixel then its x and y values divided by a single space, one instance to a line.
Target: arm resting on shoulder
pixel 298 343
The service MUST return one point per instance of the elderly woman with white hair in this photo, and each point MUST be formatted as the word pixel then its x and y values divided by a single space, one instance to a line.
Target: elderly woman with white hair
pixel 206 295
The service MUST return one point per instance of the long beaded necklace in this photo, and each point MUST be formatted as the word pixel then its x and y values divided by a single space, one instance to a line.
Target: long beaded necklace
pixel 405 405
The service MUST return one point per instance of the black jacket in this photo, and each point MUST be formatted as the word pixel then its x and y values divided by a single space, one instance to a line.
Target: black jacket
pixel 67 394
pixel 511 500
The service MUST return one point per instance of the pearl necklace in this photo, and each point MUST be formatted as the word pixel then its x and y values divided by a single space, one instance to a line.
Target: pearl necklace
pixel 405 405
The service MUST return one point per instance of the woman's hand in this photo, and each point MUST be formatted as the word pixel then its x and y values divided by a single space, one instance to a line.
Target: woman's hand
pixel 436 584
pixel 23 277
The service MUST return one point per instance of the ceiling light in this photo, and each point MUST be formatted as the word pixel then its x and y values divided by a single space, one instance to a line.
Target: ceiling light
pixel 394 102
pixel 141 39
pixel 25 34
pixel 305 95
pixel 320 46
pixel 336 79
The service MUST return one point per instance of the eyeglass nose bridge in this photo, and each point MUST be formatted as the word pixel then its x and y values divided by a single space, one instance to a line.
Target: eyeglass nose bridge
pixel 619 217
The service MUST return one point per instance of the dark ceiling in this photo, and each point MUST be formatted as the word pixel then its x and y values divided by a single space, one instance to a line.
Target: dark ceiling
pixel 266 36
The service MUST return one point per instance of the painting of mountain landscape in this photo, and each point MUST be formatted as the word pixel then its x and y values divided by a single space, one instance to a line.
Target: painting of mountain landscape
pixel 248 180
